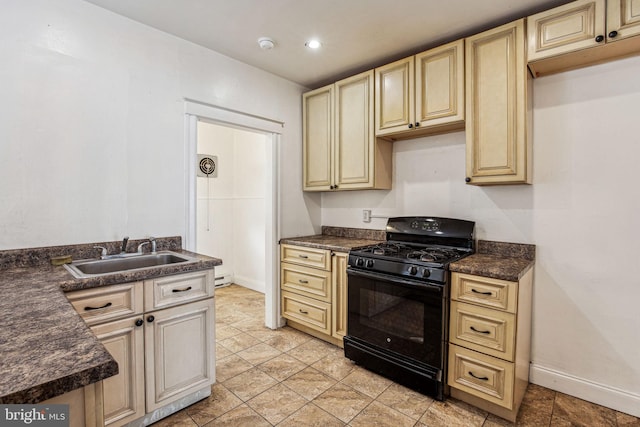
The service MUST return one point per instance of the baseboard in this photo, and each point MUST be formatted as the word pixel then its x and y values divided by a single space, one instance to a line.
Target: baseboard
pixel 601 394
pixel 252 284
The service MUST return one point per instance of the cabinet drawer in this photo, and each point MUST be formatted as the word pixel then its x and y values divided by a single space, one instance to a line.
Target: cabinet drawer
pixel 179 289
pixel 311 282
pixel 483 376
pixel 98 305
pixel 309 257
pixel 484 291
pixel 307 311
pixel 482 329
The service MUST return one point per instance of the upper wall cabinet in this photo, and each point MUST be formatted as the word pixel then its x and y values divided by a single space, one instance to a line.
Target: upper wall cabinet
pixel 422 94
pixel 582 32
pixel 340 151
pixel 498 107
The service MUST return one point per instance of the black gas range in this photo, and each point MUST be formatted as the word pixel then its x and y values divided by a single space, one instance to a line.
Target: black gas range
pixel 398 303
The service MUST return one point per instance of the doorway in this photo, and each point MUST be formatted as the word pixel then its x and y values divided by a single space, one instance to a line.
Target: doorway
pixel 250 131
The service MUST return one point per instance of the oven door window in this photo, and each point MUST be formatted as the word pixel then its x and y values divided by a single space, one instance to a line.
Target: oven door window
pixel 397 315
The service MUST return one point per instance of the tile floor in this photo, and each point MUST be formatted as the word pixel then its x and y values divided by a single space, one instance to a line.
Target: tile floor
pixel 287 378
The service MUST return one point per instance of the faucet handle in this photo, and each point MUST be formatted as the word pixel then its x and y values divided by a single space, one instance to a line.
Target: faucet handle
pixel 153 244
pixel 141 245
pixel 103 252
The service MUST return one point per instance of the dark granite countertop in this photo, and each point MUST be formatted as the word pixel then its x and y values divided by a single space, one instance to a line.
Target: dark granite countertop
pixel 338 239
pixel 46 349
pixel 498 260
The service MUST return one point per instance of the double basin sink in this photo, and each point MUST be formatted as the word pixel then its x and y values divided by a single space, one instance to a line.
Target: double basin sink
pixel 96 267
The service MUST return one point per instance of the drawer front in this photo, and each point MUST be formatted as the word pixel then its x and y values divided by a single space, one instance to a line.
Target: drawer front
pixel 310 282
pixel 483 376
pixel 482 329
pixel 308 257
pixel 179 289
pixel 307 311
pixel 484 291
pixel 98 305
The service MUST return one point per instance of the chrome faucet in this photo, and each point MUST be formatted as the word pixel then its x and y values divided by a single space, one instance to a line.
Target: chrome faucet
pixel 153 244
pixel 124 244
pixel 103 251
pixel 141 245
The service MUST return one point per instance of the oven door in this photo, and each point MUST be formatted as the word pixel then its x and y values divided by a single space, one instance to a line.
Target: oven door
pixel 396 314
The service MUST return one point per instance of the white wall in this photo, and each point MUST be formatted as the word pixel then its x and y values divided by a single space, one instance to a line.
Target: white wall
pixel 233 227
pixel 92 125
pixel 582 212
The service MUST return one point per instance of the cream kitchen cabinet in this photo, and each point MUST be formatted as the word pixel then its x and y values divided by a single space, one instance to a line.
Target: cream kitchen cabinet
pixel 581 33
pixel 422 94
pixel 313 284
pixel 161 334
pixel 85 405
pixel 489 342
pixel 498 107
pixel 340 151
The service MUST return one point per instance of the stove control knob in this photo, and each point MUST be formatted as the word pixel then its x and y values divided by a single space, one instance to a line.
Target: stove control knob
pixel 413 270
pixel 369 263
pixel 426 272
pixel 359 262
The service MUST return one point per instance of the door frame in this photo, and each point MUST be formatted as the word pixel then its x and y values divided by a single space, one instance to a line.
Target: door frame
pixel 272 129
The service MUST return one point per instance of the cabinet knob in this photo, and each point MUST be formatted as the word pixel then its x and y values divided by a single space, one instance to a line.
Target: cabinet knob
pixel 599 39
pixel 613 34
pixel 410 125
pixel 150 319
pixel 417 124
pixel 467 179
pixel 139 322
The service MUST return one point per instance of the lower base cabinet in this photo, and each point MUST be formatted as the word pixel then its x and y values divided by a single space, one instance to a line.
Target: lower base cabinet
pixel 164 355
pixel 85 405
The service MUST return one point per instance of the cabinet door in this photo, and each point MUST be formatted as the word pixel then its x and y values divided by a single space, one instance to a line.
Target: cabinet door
pixel 179 351
pixel 317 139
pixel 498 107
pixel 394 97
pixel 354 135
pixel 85 406
pixel 623 16
pixel 440 85
pixel 565 29
pixel 123 393
pixel 339 302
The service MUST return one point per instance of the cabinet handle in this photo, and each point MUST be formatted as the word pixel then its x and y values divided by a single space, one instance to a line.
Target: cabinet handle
pixel 613 34
pixel 467 179
pixel 150 319
pixel 303 311
pixel 478 378
pixel 182 290
pixel 303 256
pixel 139 322
pixel 303 281
pixel 478 331
pixel 410 125
pixel 599 39
pixel 98 308
pixel 481 293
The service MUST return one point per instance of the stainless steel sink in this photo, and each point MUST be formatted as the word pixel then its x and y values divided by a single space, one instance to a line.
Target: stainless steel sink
pixel 96 267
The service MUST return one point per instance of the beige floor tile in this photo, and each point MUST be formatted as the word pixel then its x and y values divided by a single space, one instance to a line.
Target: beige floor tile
pixel 259 353
pixel 309 383
pixel 402 399
pixel 263 333
pixel 226 331
pixel 381 415
pixel 452 413
pixel 626 420
pixel 310 351
pixel 582 413
pixel 288 339
pixel 231 366
pixel 495 421
pixel 311 416
pixel 239 342
pixel 249 384
pixel 240 417
pixel 220 402
pixel 222 351
pixel 534 414
pixel 367 382
pixel 179 419
pixel 560 422
pixel 277 403
pixel 343 402
pixel 336 367
pixel 282 367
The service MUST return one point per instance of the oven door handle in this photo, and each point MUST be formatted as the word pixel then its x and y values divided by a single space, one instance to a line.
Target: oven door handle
pixel 408 282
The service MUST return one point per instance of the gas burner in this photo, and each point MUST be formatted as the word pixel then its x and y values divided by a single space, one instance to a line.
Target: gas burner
pixel 434 254
pixel 388 249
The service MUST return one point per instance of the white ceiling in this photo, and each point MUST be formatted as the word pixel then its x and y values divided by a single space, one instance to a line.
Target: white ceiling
pixel 356 34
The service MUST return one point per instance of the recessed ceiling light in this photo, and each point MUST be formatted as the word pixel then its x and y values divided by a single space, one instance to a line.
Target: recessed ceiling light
pixel 266 43
pixel 313 44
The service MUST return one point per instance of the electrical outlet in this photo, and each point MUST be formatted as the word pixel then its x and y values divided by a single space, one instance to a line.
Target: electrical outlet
pixel 366 215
